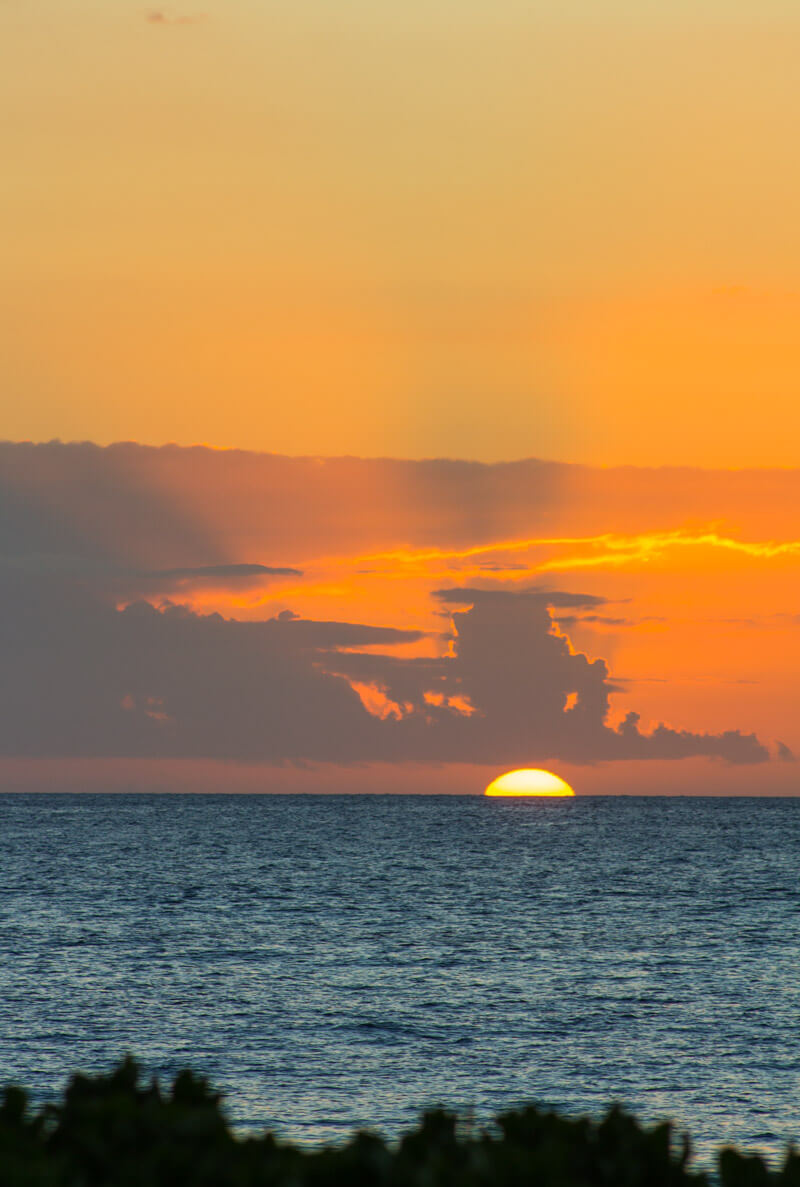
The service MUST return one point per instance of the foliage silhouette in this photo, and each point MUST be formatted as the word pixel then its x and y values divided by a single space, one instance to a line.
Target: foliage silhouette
pixel 116 1130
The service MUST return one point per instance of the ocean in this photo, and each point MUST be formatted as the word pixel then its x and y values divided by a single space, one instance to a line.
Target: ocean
pixel 335 962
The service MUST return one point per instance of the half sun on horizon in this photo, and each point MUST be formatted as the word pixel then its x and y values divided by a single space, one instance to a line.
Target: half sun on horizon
pixel 528 781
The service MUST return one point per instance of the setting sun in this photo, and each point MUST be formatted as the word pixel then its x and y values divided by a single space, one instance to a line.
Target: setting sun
pixel 528 782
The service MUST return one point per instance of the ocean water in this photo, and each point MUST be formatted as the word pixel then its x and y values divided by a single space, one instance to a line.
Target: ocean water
pixel 339 962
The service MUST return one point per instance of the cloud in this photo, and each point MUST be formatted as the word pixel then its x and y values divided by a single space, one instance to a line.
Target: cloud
pixel 537 596
pixel 571 620
pixel 304 634
pixel 540 698
pixel 82 678
pixel 165 582
pixel 567 620
pixel 85 529
pixel 228 572
pixel 127 584
pixel 159 507
pixel 664 742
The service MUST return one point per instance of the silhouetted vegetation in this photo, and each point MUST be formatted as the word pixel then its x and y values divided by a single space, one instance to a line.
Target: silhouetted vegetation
pixel 116 1130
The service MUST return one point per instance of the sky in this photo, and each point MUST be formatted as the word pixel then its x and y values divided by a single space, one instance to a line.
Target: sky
pixel 394 624
pixel 544 256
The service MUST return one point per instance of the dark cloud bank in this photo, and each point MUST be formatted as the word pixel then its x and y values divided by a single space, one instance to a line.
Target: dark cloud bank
pixel 82 678
pixel 172 507
pixel 82 528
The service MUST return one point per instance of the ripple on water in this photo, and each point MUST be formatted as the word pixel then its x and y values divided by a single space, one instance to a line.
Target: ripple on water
pixel 333 962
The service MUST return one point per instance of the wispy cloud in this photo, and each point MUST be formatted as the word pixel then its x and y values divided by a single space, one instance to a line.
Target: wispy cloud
pixel 588 552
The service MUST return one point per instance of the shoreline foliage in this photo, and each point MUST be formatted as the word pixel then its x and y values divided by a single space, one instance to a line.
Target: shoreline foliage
pixel 116 1130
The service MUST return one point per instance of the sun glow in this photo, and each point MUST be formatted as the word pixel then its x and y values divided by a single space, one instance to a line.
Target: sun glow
pixel 528 781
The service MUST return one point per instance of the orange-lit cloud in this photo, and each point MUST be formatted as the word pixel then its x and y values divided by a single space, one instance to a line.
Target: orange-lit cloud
pixel 687 595
pixel 604 551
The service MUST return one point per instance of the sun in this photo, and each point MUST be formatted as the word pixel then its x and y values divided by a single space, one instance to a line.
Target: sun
pixel 528 782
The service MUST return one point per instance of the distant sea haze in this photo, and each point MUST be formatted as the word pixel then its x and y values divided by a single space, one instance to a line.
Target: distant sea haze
pixel 337 962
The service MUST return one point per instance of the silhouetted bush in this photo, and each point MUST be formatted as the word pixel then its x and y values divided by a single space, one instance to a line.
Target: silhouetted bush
pixel 116 1131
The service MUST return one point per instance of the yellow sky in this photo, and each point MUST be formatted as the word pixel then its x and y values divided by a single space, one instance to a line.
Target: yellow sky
pixel 480 229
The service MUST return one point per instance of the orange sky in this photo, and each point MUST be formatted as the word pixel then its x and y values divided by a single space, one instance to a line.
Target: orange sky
pixel 475 230
pixel 485 231
pixel 682 582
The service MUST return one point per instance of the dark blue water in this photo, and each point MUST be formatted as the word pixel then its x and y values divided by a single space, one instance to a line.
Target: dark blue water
pixel 333 962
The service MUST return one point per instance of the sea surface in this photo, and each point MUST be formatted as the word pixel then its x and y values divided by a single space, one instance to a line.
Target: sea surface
pixel 334 962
